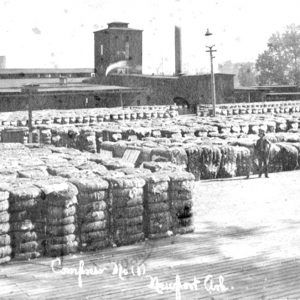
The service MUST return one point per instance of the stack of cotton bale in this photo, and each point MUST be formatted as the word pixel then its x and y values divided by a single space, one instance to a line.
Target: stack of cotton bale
pixel 36 136
pixel 210 161
pixel 243 161
pixel 99 137
pixel 39 172
pixel 155 166
pixel 254 127
pixel 135 171
pixel 178 156
pixel 201 131
pixel 90 166
pixel 157 214
pixel 244 128
pixel 297 146
pixel 181 201
pixel 93 214
pixel 142 132
pixel 87 140
pixel 194 160
pixel 112 134
pixel 45 136
pixel 115 163
pixel 228 166
pixel 72 140
pixel 61 208
pixel 275 160
pixel 126 196
pixel 66 170
pixel 289 156
pixel 5 240
pixel 271 126
pixel 281 125
pixel 107 146
pixel 120 147
pixel 54 161
pixel 26 221
pixel 171 132
pixel 56 138
pixel 225 128
pixel 145 154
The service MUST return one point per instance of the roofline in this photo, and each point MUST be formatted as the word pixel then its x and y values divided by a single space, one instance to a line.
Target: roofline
pixel 116 28
pixel 45 70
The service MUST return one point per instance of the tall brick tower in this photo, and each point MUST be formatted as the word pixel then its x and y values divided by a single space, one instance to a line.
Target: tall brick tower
pixel 118 43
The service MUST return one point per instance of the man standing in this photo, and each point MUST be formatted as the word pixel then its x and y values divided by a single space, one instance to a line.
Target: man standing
pixel 262 152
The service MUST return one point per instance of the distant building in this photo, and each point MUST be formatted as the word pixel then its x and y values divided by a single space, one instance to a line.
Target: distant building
pixel 118 43
pixel 45 73
pixel 2 62
pixel 188 90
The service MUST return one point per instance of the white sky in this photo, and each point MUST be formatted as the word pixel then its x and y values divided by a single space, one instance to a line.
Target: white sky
pixel 59 33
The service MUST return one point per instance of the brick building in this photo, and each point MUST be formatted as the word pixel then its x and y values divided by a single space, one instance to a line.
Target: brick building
pixel 184 90
pixel 118 43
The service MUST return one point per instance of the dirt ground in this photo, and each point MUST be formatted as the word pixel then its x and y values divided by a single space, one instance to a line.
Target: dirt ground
pixel 251 217
pixel 246 242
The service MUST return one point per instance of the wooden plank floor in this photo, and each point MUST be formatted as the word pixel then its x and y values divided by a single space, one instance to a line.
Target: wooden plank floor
pixel 247 231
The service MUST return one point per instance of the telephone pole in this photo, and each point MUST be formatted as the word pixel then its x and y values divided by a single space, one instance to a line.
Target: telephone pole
pixel 212 75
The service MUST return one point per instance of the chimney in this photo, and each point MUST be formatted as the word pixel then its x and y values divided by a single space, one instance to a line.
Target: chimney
pixel 117 25
pixel 178 69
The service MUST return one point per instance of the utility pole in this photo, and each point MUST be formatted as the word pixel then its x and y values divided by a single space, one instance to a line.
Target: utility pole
pixel 213 85
pixel 30 92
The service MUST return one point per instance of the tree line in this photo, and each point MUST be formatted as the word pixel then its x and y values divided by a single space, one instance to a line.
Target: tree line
pixel 278 64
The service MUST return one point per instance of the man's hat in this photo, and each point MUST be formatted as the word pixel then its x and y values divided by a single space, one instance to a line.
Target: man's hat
pixel 261 131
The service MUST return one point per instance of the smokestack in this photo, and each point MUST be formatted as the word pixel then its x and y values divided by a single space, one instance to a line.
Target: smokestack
pixel 178 69
pixel 2 62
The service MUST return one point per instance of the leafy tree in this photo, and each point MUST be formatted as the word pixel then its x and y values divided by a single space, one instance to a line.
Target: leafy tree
pixel 280 62
pixel 228 67
pixel 247 74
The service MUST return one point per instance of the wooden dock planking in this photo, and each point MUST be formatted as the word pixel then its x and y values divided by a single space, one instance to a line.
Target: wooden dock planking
pixel 260 275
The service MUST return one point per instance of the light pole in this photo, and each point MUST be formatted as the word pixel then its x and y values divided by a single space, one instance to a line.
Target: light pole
pixel 213 86
pixel 30 91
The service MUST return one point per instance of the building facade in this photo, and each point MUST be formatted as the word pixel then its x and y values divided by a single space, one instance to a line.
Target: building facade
pixel 118 43
pixel 185 90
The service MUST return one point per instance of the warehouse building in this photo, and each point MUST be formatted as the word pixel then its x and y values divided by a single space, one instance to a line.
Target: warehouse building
pixel 116 79
pixel 120 43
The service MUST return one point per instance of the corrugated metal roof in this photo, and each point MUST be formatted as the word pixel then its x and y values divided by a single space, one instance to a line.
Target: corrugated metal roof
pixel 74 88
pixel 45 70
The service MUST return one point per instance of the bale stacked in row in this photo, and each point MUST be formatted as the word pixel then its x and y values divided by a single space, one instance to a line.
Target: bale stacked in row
pixel 228 166
pixel 297 146
pixel 154 166
pixel 61 207
pixel 243 161
pixel 87 140
pixel 210 161
pixel 180 197
pixel 45 136
pixel 289 156
pixel 194 160
pixel 157 214
pixel 275 162
pixel 5 241
pixel 73 135
pixel 93 214
pixel 126 195
pixel 26 221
